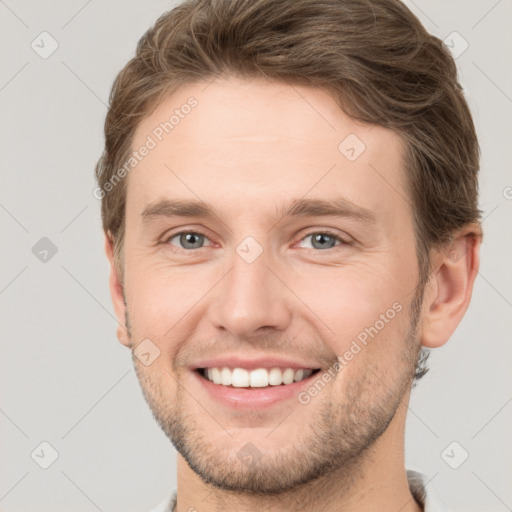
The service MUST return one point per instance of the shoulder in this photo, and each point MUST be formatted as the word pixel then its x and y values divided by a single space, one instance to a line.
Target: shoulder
pixel 167 504
pixel 424 492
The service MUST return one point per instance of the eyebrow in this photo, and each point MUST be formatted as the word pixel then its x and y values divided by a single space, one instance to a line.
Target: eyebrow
pixel 339 207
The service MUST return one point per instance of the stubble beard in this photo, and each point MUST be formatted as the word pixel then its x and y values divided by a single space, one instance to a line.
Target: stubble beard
pixel 336 441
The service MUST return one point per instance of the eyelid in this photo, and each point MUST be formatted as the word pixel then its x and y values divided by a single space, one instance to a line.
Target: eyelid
pixel 337 236
pixel 167 237
pixel 325 231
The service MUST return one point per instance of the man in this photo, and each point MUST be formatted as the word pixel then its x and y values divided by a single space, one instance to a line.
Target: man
pixel 289 197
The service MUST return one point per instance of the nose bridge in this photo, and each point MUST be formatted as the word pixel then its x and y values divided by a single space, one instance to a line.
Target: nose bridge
pixel 250 296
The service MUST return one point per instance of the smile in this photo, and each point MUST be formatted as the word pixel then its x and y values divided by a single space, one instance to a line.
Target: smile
pixel 257 378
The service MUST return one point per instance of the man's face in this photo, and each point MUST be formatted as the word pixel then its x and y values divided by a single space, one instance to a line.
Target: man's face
pixel 254 283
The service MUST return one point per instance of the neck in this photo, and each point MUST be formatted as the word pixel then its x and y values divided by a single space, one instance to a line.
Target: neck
pixel 376 481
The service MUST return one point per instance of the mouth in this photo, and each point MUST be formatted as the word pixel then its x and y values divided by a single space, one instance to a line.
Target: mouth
pixel 239 383
pixel 255 379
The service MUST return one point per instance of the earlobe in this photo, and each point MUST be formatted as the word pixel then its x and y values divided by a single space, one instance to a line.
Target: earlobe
pixel 117 293
pixel 448 293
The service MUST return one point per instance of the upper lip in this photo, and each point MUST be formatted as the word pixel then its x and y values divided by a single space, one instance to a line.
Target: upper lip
pixel 234 361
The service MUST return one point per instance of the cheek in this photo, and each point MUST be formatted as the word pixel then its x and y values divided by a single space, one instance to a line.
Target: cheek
pixel 356 309
pixel 164 303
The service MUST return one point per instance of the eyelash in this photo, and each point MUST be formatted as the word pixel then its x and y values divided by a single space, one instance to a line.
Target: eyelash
pixel 311 233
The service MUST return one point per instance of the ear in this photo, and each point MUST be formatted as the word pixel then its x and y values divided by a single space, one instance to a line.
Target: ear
pixel 116 293
pixel 448 292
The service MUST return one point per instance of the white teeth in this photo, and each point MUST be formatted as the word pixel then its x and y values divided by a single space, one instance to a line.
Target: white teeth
pixel 288 376
pixel 259 378
pixel 275 377
pixel 225 377
pixel 240 378
pixel 216 375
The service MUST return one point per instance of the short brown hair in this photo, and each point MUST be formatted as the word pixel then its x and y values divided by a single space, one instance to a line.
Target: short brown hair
pixel 375 58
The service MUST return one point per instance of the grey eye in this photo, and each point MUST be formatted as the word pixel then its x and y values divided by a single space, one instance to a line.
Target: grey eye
pixel 189 240
pixel 322 241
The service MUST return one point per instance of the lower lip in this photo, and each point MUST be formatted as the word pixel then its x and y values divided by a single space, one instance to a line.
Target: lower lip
pixel 251 398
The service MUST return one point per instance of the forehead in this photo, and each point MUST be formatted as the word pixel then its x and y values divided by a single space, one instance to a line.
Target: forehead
pixel 248 139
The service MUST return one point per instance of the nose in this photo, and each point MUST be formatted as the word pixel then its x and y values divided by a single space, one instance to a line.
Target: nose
pixel 251 299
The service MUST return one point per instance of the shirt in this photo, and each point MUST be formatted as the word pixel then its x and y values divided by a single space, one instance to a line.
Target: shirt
pixel 427 498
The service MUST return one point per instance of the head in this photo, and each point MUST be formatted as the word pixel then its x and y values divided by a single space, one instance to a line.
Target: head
pixel 264 114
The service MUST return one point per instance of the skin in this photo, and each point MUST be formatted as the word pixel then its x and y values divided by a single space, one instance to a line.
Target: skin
pixel 248 148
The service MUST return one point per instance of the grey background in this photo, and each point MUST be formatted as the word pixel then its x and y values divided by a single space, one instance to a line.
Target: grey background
pixel 66 380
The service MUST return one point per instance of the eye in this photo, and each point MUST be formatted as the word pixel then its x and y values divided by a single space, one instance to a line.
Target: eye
pixel 324 240
pixel 189 240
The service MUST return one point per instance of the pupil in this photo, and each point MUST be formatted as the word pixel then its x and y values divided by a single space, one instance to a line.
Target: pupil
pixel 192 238
pixel 321 238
